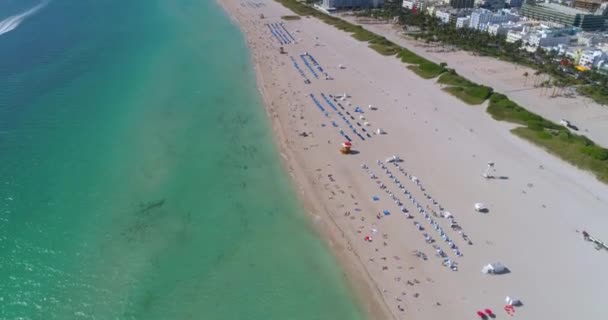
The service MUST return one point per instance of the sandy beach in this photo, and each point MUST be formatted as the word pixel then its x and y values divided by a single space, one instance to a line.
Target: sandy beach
pixel 360 203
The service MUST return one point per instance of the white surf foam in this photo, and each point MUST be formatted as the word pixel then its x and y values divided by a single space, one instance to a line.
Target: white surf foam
pixel 11 23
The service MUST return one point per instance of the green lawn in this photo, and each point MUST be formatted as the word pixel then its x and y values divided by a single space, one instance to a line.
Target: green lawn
pixel 407 56
pixel 427 70
pixel 290 17
pixel 453 79
pixel 384 50
pixel 469 95
pixel 463 89
pixel 558 140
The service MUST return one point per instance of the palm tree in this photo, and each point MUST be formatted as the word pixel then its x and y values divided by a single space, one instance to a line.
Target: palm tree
pixel 536 74
pixel 556 83
pixel 526 78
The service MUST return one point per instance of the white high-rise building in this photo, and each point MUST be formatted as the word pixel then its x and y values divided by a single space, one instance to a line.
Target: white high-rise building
pixel 481 18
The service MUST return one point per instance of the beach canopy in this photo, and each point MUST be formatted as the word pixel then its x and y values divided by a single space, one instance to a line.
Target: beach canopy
pixel 347 144
pixel 386 212
pixel 512 301
pixel 480 207
pixel 380 131
pixel 393 158
pixel 494 268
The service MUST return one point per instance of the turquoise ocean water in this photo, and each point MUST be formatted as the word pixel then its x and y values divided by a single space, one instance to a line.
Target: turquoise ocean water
pixel 138 179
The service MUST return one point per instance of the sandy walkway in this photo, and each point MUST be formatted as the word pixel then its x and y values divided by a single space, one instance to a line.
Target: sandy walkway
pixel 535 210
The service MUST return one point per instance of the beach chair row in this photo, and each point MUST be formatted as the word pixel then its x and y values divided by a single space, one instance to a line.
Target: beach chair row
pixel 326 114
pixel 295 65
pixel 278 32
pixel 345 119
pixel 316 64
pixel 307 64
pixel 446 261
pixel 251 4
pixel 287 32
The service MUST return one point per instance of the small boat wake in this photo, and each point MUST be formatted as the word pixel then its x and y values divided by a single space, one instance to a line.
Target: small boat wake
pixel 11 23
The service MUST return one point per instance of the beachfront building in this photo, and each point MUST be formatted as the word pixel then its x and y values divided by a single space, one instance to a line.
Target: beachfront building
pixel 569 17
pixel 443 15
pixel 504 28
pixel 514 36
pixel 546 38
pixel 462 4
pixel 333 5
pixel 463 22
pixel 449 15
pixel 591 58
pixel 572 53
pixel 411 4
pixel 481 18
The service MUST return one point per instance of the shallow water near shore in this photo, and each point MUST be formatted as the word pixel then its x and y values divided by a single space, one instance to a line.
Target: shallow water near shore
pixel 139 179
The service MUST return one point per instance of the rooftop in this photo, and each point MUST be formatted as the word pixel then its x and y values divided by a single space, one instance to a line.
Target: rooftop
pixel 563 9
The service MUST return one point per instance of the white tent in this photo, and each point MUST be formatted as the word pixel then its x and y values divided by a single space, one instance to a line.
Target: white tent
pixel 394 158
pixel 480 207
pixel 494 268
pixel 380 131
pixel 512 301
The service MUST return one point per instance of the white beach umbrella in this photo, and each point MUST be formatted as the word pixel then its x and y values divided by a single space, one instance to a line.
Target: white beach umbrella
pixel 479 207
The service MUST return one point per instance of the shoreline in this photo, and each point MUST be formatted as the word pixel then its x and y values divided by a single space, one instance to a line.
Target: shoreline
pixel 447 144
pixel 351 266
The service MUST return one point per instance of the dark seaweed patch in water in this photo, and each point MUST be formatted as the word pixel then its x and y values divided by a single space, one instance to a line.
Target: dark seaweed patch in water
pixel 146 216
pixel 146 208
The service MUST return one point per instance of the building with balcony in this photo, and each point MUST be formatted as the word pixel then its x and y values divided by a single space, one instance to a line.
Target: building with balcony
pixel 569 17
pixel 548 38
pixel 590 5
pixel 504 28
pixel 590 58
pixel 481 18
pixel 463 22
pixel 333 5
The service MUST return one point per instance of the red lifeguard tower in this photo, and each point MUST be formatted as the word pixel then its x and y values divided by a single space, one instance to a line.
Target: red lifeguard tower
pixel 345 149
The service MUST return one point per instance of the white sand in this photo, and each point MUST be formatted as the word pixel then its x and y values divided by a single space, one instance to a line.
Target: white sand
pixel 507 78
pixel 534 212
